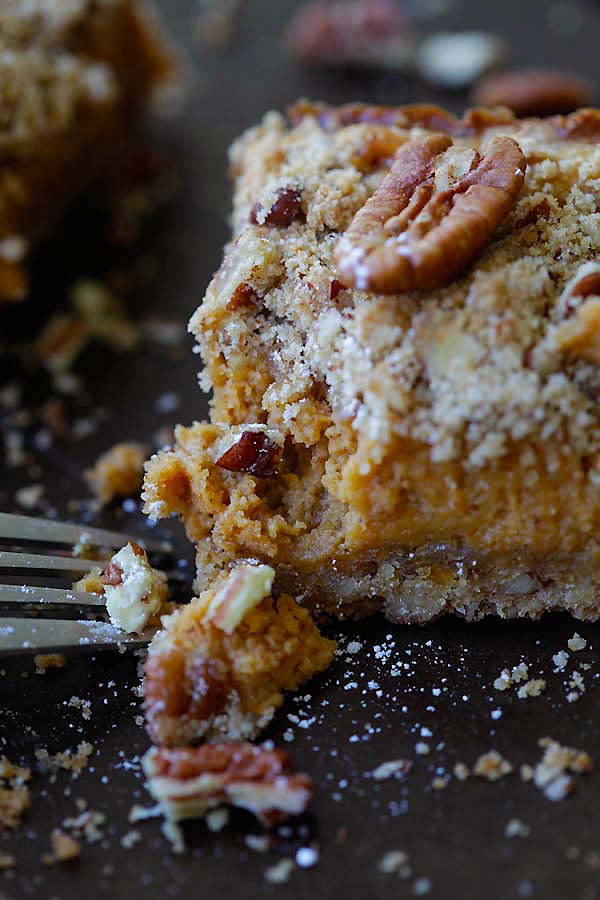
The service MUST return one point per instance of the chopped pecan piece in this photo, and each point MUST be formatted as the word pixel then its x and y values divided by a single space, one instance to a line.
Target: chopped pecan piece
pixel 534 92
pixel 244 589
pixel 254 453
pixel 408 236
pixel 189 781
pixel 243 295
pixel 286 208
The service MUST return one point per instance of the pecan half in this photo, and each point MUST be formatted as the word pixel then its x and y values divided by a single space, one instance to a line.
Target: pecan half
pixel 579 334
pixel 188 781
pixel 286 208
pixel 408 236
pixel 254 453
pixel 534 92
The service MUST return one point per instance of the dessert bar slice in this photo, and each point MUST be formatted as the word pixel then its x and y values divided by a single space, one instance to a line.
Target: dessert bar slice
pixel 403 345
pixel 73 77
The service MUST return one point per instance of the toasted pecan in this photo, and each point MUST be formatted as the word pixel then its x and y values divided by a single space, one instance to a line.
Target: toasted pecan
pixel 190 780
pixel 254 453
pixel 408 236
pixel 534 92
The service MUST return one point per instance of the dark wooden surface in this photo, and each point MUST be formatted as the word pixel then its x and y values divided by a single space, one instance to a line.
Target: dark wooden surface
pixel 454 838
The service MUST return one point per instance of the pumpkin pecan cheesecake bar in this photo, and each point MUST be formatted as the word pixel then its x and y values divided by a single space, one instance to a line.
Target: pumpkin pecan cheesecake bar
pixel 403 345
pixel 73 77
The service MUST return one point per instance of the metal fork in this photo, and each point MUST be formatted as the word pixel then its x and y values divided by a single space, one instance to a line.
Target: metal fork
pixel 24 634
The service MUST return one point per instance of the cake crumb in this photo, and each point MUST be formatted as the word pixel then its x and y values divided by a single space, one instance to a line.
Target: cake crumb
pixel 129 840
pixel 492 766
pixel 280 872
pixel 44 661
pixel 69 760
pixel 217 819
pixel 461 771
pixel 392 861
pixel 421 748
pixel 84 706
pixel 532 688
pixel 576 643
pixel 560 660
pixel 118 472
pixel 258 842
pixel 516 828
pixel 7 861
pixel 64 848
pixel 392 767
pixel 14 793
pixel 552 775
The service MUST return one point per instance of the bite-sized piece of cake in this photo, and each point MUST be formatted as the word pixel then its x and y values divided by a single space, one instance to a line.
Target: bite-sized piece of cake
pixel 411 304
pixel 219 666
pixel 189 781
pixel 118 472
pixel 136 594
pixel 73 78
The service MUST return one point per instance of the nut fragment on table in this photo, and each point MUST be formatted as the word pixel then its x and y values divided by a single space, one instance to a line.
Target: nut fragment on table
pixel 534 92
pixel 431 215
pixel 189 781
pixel 220 664
pixel 370 33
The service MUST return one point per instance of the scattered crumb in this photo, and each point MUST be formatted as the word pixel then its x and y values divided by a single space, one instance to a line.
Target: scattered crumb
pixel 64 848
pixel 28 497
pixel 87 824
pixel 516 828
pixel 461 772
pixel 7 861
pixel 392 862
pixel 258 842
pixel 129 840
pixel 392 767
pixel 532 688
pixel 551 774
pixel 421 748
pixel 560 659
pixel 217 819
pixel 44 661
pixel 69 760
pixel 14 793
pixel 85 706
pixel 280 872
pixel 576 643
pixel 118 472
pixel 492 766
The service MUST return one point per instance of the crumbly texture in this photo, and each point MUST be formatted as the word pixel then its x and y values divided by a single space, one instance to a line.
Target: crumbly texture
pixel 440 448
pixel 14 793
pixel 118 472
pixel 204 681
pixel 73 77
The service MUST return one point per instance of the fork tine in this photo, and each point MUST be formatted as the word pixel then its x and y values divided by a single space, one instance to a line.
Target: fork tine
pixel 9 560
pixel 29 528
pixel 42 596
pixel 24 635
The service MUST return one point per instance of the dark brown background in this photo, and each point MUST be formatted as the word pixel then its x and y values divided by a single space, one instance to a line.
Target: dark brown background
pixel 454 838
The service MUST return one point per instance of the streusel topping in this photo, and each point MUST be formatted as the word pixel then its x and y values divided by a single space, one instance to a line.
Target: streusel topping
pixel 470 368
